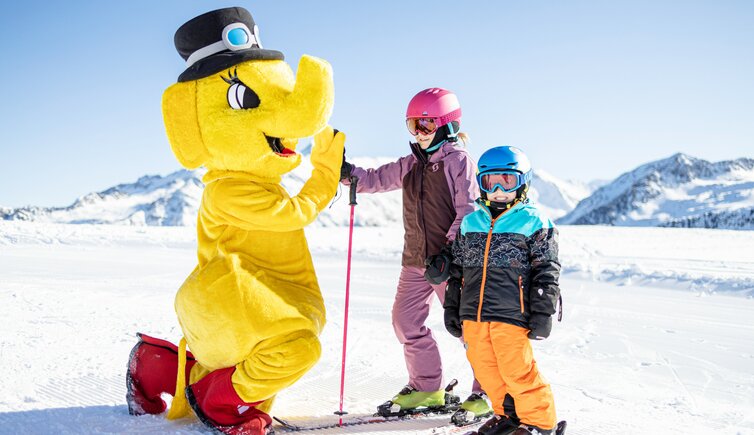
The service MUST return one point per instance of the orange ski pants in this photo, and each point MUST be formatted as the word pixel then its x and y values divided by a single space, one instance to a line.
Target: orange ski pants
pixel 502 359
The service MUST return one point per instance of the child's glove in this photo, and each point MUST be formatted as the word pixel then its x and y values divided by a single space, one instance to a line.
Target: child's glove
pixel 453 322
pixel 452 301
pixel 540 326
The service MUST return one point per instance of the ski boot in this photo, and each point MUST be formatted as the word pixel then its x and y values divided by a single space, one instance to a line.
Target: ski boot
pixel 525 429
pixel 217 405
pixel 472 410
pixel 410 401
pixel 152 370
pixel 499 425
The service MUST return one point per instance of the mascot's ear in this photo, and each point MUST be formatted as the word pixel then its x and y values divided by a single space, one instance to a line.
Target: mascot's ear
pixel 182 124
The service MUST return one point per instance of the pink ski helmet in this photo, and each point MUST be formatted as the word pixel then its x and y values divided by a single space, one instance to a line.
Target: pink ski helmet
pixel 435 103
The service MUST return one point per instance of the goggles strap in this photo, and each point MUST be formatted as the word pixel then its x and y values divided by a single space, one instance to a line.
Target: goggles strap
pixel 207 51
pixel 451 131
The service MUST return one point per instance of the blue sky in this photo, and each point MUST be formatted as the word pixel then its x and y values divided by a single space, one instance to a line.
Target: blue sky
pixel 589 89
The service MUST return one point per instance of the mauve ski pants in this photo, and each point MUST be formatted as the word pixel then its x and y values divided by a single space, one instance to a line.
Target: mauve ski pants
pixel 410 311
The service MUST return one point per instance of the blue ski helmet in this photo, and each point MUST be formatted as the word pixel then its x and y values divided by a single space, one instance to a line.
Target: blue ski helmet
pixel 504 160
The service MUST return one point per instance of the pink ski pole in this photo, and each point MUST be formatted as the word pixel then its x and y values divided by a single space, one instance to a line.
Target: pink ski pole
pixel 352 202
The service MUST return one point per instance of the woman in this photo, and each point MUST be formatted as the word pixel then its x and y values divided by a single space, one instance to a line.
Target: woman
pixel 439 189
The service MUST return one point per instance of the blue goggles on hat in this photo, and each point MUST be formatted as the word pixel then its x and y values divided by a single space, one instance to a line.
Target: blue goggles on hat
pixel 506 181
pixel 236 36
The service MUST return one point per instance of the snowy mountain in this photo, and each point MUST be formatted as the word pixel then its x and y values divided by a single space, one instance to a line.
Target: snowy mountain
pixel 152 200
pixel 173 200
pixel 557 197
pixel 678 191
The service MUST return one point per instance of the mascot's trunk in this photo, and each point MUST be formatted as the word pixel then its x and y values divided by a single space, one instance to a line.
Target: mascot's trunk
pixel 306 110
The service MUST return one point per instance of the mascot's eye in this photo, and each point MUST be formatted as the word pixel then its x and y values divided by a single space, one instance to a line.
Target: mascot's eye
pixel 241 97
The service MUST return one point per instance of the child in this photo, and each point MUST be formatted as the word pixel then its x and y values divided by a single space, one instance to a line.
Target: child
pixel 505 258
pixel 439 189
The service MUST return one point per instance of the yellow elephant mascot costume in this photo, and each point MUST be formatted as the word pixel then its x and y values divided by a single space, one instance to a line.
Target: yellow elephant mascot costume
pixel 251 311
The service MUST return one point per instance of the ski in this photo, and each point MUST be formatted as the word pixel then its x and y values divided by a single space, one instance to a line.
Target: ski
pixel 286 426
pixel 387 413
pixel 451 428
pixel 356 421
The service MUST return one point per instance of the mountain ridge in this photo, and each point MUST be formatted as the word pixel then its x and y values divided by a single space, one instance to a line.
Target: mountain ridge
pixel 173 200
pixel 676 191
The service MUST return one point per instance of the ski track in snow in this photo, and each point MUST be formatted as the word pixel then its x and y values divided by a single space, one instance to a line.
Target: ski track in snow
pixel 632 355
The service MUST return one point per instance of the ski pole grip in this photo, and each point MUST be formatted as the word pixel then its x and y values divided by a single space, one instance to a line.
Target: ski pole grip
pixel 352 190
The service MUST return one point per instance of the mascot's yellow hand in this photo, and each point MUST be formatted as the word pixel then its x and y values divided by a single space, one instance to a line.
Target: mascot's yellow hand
pixel 327 154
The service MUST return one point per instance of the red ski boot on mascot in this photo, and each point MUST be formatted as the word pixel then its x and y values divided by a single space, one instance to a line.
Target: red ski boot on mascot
pixel 216 403
pixel 152 370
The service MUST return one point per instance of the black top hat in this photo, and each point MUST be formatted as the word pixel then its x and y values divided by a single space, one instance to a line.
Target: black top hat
pixel 218 40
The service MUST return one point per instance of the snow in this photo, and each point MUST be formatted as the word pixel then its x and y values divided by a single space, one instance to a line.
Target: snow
pixel 655 338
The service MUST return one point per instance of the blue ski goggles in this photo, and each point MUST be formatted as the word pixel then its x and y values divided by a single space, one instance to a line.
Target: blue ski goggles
pixel 235 37
pixel 507 181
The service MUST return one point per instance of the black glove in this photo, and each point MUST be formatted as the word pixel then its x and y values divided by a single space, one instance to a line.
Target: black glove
pixel 453 322
pixel 540 326
pixel 438 266
pixel 345 168
pixel 452 302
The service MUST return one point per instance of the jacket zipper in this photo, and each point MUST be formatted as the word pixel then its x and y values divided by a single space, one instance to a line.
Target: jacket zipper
pixel 521 292
pixel 484 272
pixel 421 209
pixel 421 165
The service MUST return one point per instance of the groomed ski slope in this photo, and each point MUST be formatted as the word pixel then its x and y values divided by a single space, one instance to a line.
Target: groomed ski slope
pixel 656 334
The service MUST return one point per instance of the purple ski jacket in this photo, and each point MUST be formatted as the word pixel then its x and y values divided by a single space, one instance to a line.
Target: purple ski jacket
pixel 438 191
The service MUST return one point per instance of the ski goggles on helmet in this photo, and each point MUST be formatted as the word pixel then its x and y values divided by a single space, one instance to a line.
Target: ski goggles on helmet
pixel 507 181
pixel 424 126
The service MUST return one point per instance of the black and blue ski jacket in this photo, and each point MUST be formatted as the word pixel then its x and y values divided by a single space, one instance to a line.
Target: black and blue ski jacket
pixel 510 265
